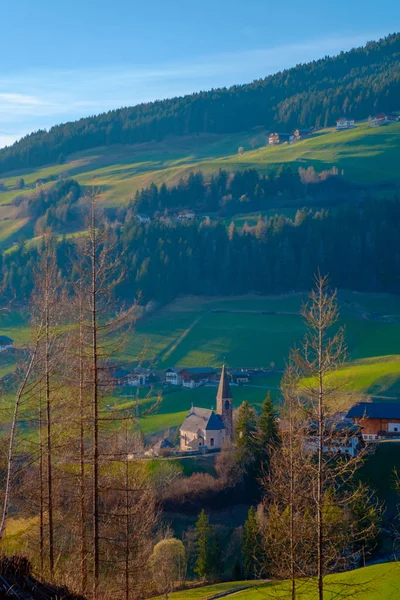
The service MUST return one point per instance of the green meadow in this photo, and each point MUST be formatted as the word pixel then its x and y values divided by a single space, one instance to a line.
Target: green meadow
pixel 365 155
pixel 377 582
pixel 248 331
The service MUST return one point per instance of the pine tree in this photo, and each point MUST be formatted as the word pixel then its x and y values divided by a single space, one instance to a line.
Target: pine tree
pixel 246 435
pixel 251 545
pixel 203 546
pixel 268 431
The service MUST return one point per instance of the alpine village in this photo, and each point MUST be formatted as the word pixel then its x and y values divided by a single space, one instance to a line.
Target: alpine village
pixel 200 301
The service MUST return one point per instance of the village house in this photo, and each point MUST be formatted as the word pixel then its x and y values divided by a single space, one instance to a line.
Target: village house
pixel 161 448
pixel 344 123
pixel 140 376
pixel 381 119
pixel 143 219
pixel 172 377
pixel 186 215
pixel 280 138
pixel 342 436
pixel 239 377
pixel 377 420
pixel 5 343
pixel 206 429
pixel 194 377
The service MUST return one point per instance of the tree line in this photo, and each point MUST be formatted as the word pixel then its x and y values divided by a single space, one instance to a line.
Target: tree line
pixel 243 191
pixel 356 243
pixel 357 83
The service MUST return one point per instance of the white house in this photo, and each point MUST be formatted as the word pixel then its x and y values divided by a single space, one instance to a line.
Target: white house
pixel 5 343
pixel 381 119
pixel 240 376
pixel 172 377
pixel 143 219
pixel 186 215
pixel 342 437
pixel 344 123
pixel 140 376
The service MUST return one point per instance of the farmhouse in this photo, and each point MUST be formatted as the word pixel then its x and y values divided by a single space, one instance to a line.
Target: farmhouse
pixel 194 377
pixel 344 123
pixel 342 436
pixel 239 377
pixel 172 377
pixel 143 219
pixel 5 343
pixel 381 119
pixel 208 429
pixel 279 138
pixel 186 215
pixel 376 419
pixel 161 448
pixel 140 376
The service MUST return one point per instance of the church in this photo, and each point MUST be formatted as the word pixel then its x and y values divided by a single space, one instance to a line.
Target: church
pixel 206 428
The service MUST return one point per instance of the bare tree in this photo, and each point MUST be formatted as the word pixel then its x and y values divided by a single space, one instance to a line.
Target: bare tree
pixel 326 438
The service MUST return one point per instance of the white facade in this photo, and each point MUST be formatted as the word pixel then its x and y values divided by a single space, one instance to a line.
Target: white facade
pixel 172 377
pixel 201 439
pixel 393 427
pixel 344 124
pixel 191 383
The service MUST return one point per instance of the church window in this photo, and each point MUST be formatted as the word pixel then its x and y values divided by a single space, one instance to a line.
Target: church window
pixel 211 442
pixel 227 405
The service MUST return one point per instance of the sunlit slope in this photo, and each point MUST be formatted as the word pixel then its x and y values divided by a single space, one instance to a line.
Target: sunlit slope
pixel 365 155
pixel 377 582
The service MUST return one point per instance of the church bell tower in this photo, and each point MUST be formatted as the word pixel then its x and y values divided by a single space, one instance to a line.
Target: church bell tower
pixel 224 403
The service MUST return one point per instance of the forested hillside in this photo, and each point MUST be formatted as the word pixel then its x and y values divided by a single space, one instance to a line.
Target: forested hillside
pixel 356 83
pixel 357 245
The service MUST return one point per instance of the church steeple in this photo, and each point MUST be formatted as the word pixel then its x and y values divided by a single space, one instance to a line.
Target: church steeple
pixel 224 403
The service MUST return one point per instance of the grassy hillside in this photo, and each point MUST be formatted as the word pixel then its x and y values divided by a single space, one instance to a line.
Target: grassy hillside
pixel 377 582
pixel 366 156
pixel 246 332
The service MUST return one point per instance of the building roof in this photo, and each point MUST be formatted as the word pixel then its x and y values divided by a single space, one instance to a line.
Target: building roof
pixel 4 339
pixel 375 410
pixel 162 444
pixel 224 390
pixel 202 418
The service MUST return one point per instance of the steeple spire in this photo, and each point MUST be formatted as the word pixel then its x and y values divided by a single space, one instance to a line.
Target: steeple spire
pixel 224 403
pixel 224 390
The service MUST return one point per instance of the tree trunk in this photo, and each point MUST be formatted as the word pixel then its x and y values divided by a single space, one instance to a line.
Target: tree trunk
pixel 95 408
pixel 82 483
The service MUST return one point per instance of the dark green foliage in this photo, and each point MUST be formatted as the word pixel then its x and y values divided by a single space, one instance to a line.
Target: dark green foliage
pixel 217 557
pixel 204 550
pixel 252 554
pixel 246 435
pixel 267 429
pixel 356 83
pixel 357 245
pixel 226 194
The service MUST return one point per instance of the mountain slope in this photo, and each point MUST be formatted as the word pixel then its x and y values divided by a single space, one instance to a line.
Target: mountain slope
pixel 358 82
pixel 366 155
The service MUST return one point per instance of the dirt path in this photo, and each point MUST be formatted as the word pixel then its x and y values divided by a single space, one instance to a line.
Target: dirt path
pixel 233 591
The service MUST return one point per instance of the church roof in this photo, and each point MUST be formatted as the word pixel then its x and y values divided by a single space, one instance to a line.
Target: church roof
pixel 224 390
pixel 202 418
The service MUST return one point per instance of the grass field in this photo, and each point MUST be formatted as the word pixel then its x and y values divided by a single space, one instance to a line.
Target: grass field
pixel 366 155
pixel 247 332
pixel 377 582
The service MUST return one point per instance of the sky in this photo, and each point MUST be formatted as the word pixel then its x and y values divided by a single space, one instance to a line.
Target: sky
pixel 62 60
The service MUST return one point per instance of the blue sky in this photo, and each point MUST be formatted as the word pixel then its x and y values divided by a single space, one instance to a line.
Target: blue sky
pixel 61 60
